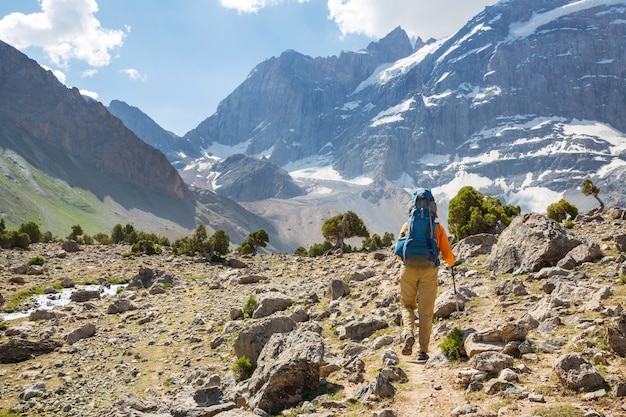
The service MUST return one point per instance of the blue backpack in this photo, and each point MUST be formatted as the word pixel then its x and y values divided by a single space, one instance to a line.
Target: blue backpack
pixel 420 237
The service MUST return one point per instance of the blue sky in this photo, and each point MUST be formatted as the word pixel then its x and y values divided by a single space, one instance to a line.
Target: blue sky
pixel 176 60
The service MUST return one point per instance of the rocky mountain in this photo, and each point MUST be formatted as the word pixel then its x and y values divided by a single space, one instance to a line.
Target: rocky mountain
pixel 66 160
pixel 242 178
pixel 523 102
pixel 148 130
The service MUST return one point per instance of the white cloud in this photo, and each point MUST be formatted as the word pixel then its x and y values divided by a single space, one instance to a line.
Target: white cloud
pixel 133 74
pixel 65 30
pixel 376 18
pixel 88 93
pixel 250 6
pixel 57 73
pixel 424 18
pixel 89 73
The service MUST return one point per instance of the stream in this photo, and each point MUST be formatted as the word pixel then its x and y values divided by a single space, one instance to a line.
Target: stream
pixel 58 299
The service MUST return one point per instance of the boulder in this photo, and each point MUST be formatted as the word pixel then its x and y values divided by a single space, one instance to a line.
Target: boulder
pixel 270 303
pixel 82 332
pixel 337 288
pixel 531 242
pixel 362 328
pixel 576 373
pixel 18 350
pixel 205 401
pixel 474 245
pixel 617 336
pixel 148 278
pixel 121 305
pixel 81 296
pixel 447 302
pixel 510 286
pixel 250 342
pixel 491 362
pixel 288 371
pixel 70 246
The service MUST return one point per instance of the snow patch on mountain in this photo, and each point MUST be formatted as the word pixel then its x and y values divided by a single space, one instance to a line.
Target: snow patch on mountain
pixel 392 114
pixel 519 30
pixel 387 72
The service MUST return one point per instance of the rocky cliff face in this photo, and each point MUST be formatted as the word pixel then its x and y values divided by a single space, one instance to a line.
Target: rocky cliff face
pixel 524 101
pixel 287 103
pixel 150 132
pixel 242 178
pixel 34 101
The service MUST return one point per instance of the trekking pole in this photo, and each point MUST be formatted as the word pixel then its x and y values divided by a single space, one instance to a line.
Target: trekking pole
pixel 456 299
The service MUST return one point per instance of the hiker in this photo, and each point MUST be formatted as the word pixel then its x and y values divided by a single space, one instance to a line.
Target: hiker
pixel 421 241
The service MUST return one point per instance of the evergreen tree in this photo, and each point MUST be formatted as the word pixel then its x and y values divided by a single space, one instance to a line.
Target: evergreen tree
pixel 588 188
pixel 343 226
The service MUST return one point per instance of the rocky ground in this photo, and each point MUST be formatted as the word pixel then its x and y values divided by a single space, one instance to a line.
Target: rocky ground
pixel 167 344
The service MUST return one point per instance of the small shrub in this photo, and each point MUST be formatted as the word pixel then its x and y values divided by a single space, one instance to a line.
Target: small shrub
pixel 3 327
pixel 37 260
pixel 568 224
pixel 452 344
pixel 248 309
pixel 167 285
pixel 243 368
pixel 621 280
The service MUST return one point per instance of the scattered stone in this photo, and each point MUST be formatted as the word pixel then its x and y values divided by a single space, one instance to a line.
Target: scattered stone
pixel 464 409
pixel 82 332
pixel 491 362
pixel 360 329
pixel 270 303
pixel 337 288
pixel 34 390
pixel 576 373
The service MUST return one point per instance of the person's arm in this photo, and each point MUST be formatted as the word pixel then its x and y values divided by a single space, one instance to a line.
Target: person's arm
pixel 444 245
pixel 401 236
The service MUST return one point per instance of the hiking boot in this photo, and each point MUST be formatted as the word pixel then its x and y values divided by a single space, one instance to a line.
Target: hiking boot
pixel 407 348
pixel 422 357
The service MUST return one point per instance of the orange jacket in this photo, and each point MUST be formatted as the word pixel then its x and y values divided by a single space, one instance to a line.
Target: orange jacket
pixel 442 242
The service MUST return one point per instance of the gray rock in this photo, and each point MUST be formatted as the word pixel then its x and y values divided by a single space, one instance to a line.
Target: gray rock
pixel 34 390
pixel 18 350
pixel 576 373
pixel 447 302
pixel 337 289
pixel 81 296
pixel 82 332
pixel 148 278
pixel 532 241
pixel 474 245
pixel 360 329
pixel 617 336
pixel 510 286
pixel 270 303
pixel 288 371
pixel 250 342
pixel 70 246
pixel 121 305
pixel 491 362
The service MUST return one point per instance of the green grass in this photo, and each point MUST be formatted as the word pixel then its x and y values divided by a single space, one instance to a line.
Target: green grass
pixel 15 303
pixel 558 410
